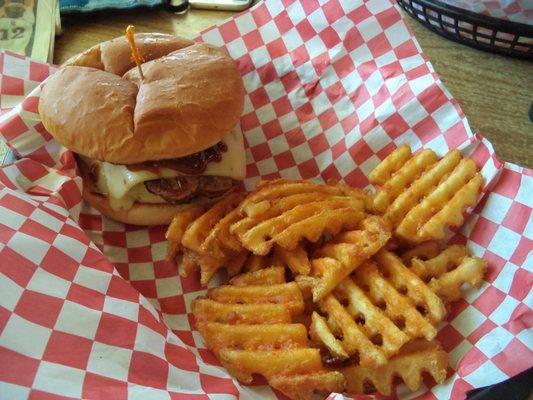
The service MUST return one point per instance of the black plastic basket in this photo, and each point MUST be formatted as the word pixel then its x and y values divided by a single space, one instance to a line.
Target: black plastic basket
pixel 476 30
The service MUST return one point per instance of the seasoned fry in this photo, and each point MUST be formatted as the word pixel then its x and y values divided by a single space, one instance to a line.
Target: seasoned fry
pixel 367 280
pixel 243 363
pixel 286 293
pixel 354 339
pixel 308 221
pixel 249 337
pixel 423 251
pixel 422 195
pixel 345 252
pixel 396 306
pixel 448 271
pixel 448 286
pixel 206 310
pixel 281 188
pixel 392 163
pixel 422 186
pixel 297 260
pixel 258 337
pixel 221 238
pixel 412 169
pixel 414 359
pixel 301 387
pixel 403 280
pixel 266 276
pixel 197 232
pixel 177 227
pixel 285 212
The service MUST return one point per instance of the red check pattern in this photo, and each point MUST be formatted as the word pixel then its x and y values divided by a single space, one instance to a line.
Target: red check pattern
pixel 513 10
pixel 91 309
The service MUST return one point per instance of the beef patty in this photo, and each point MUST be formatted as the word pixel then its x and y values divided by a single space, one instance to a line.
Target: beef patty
pixel 184 188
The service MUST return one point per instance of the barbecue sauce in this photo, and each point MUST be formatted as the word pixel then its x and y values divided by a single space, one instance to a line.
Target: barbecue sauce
pixel 194 164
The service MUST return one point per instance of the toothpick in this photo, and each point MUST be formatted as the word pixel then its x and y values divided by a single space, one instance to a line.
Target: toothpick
pixel 135 55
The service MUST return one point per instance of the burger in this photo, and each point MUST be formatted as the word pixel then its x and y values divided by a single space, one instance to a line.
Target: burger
pixel 148 146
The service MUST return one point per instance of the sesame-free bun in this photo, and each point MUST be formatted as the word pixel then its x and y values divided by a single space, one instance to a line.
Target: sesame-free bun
pixel 188 101
pixel 115 55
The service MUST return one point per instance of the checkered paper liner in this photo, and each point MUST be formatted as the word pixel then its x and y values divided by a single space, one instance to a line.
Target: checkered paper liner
pixel 512 10
pixel 90 308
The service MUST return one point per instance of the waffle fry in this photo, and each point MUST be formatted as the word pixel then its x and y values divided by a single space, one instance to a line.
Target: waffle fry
pixel 302 387
pixel 196 234
pixel 249 328
pixel 414 359
pixel 448 271
pixel 345 252
pixel 422 195
pixel 284 213
pixel 368 290
pixel 375 320
pixel 403 280
pixel 297 260
pixel 266 276
pixel 208 265
pixel 194 238
pixel 423 251
pixel 287 293
pixel 177 228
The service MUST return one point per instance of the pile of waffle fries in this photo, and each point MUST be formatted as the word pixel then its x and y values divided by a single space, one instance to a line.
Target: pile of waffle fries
pixel 334 289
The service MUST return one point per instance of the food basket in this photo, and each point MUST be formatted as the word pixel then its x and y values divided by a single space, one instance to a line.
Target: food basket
pixel 507 33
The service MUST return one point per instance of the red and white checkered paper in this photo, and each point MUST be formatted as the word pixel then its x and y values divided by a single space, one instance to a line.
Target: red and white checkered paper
pixel 89 308
pixel 520 11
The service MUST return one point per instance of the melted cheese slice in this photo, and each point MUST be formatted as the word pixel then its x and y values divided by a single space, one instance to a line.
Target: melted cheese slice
pixel 124 187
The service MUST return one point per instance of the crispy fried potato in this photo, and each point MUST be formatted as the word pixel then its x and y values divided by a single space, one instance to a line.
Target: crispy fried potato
pixel 414 359
pixel 403 280
pixel 339 257
pixel 395 305
pixel 207 310
pixel 197 232
pixel 402 178
pixel 177 227
pixel 302 387
pixel 258 337
pixel 211 255
pixel 297 260
pixel 286 293
pixel 307 221
pixel 266 276
pixel 221 238
pixel 423 251
pixel 449 285
pixel 392 163
pixel 243 363
pixel 422 195
pixel 281 188
pixel 285 212
pixel 354 339
pixel 253 337
pixel 448 271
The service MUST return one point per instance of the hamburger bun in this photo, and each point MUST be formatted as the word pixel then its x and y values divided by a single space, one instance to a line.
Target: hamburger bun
pixel 115 55
pixel 148 214
pixel 139 214
pixel 189 100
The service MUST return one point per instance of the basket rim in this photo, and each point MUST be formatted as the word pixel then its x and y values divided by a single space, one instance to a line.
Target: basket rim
pixel 475 18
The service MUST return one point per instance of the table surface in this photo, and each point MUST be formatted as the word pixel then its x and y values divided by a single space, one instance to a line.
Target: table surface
pixel 495 92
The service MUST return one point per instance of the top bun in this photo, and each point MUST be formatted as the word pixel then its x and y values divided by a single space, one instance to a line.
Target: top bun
pixel 115 55
pixel 99 107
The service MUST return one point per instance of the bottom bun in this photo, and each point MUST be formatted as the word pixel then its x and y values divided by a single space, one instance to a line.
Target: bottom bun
pixel 139 214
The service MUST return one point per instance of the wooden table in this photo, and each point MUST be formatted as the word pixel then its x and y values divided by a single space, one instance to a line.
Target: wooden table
pixel 495 92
